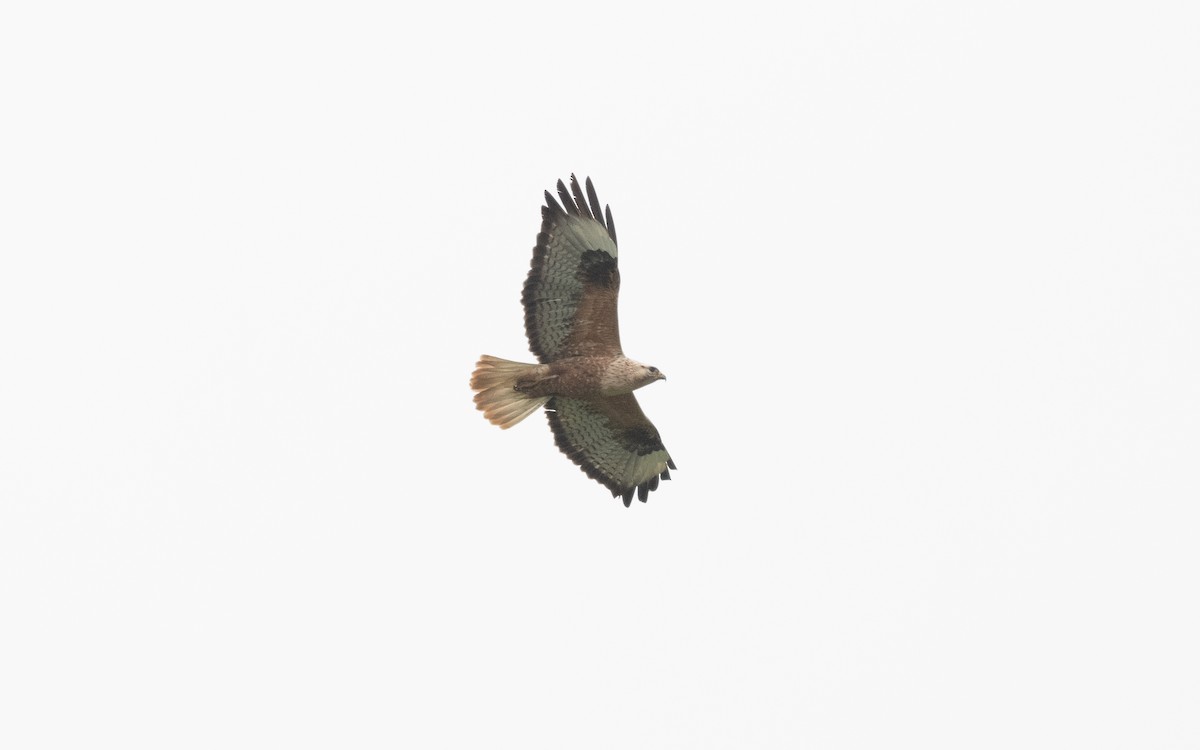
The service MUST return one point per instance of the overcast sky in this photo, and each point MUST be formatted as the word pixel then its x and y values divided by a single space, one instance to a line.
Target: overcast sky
pixel 923 276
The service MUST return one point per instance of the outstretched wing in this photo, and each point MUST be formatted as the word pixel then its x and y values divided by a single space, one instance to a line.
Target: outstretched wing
pixel 570 295
pixel 612 441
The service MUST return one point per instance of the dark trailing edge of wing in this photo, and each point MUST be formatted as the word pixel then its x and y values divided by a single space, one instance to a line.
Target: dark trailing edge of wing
pixel 626 494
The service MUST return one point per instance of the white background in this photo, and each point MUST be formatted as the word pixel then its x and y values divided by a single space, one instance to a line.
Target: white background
pixel 923 277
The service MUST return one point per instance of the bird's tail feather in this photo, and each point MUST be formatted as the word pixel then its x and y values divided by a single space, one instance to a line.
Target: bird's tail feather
pixel 493 382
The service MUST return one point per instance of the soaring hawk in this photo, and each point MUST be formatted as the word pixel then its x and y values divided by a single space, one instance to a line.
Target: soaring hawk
pixel 584 379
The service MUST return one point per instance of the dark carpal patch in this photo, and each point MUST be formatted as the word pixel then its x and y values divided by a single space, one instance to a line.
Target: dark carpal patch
pixel 642 441
pixel 598 268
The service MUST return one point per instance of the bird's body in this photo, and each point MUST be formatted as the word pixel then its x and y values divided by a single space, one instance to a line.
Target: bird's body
pixel 584 379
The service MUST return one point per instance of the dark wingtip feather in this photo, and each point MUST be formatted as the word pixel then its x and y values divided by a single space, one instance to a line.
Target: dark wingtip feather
pixel 666 475
pixel 643 491
pixel 577 192
pixel 671 464
pixel 612 228
pixel 653 483
pixel 567 200
pixel 551 205
pixel 593 201
pixel 627 497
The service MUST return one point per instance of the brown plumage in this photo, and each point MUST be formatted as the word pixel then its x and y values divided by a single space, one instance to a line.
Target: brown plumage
pixel 584 380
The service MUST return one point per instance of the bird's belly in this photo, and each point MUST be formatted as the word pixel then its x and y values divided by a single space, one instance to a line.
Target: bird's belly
pixel 577 377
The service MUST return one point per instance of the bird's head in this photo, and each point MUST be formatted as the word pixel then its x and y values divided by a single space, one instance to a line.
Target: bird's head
pixel 623 375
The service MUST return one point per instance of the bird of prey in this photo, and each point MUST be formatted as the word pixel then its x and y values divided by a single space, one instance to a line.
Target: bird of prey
pixel 584 379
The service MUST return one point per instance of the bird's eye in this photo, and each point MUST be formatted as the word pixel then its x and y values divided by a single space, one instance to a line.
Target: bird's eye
pixel 653 369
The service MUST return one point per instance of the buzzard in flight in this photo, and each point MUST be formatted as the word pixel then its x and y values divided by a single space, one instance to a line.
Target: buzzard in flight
pixel 584 380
